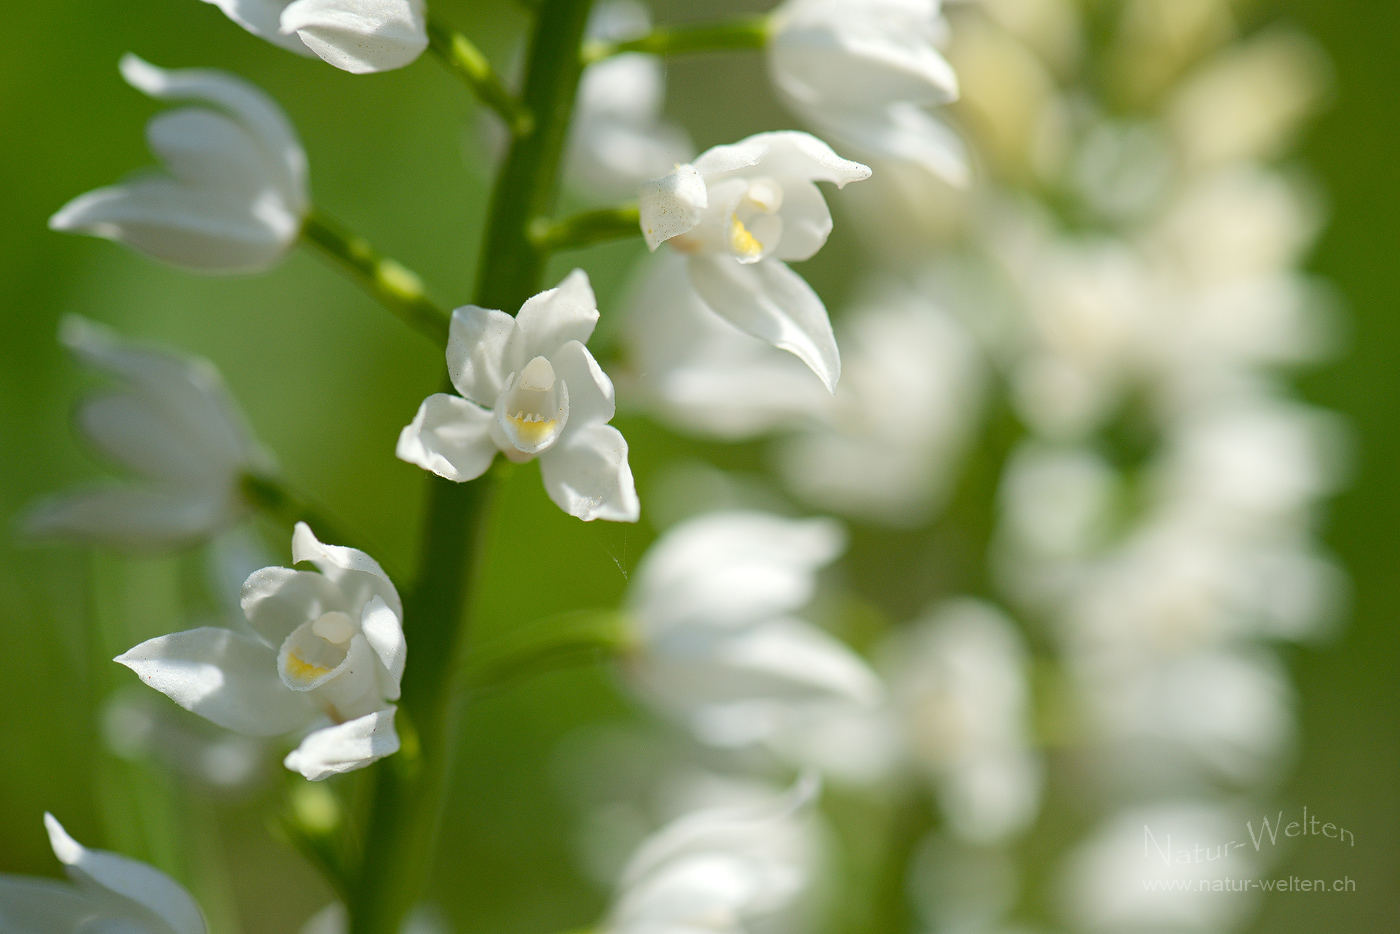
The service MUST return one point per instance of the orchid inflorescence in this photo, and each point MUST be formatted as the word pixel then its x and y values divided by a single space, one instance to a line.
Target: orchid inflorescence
pixel 1041 272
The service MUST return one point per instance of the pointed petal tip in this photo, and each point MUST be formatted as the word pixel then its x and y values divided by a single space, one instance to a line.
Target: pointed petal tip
pixel 859 173
pixel 68 850
pixel 141 74
pixel 305 544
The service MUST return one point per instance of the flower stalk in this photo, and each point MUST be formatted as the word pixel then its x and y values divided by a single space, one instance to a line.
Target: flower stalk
pixel 747 32
pixel 586 228
pixel 408 793
pixel 467 61
pixel 397 287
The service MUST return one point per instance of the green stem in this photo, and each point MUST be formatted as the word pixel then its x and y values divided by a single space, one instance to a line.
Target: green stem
pixel 408 786
pixel 748 32
pixel 396 286
pixel 512 265
pixel 407 798
pixel 461 55
pixel 586 229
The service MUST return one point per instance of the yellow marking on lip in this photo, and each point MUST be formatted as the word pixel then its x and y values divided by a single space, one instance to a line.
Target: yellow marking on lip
pixel 533 429
pixel 741 242
pixel 303 670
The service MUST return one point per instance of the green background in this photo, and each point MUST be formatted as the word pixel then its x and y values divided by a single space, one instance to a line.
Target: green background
pixel 328 379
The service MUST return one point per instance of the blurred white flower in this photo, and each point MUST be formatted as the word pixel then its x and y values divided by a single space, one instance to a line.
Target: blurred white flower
pixel 1119 880
pixel 140 727
pixel 959 679
pixel 618 136
pixel 1087 306
pixel 719 869
pixel 1168 722
pixel 108 892
pixel 359 36
pixel 1056 502
pixel 737 212
pixel 890 444
pixel 233 196
pixel 702 374
pixel 328 657
pixel 1249 100
pixel 174 426
pixel 1250 466
pixel 529 388
pixel 715 646
pixel 864 72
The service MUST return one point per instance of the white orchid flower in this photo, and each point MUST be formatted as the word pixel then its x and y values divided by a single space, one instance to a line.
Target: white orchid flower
pixel 108 892
pixel 960 680
pixel 233 196
pixel 618 137
pixel 737 212
pixel 359 36
pixel 864 72
pixel 173 425
pixel 329 658
pixel 716 646
pixel 719 869
pixel 530 389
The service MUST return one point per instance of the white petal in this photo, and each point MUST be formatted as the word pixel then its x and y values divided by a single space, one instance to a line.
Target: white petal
pixel 784 155
pixel 125 516
pixel 383 630
pixel 780 658
pixel 205 149
pixel 900 131
pixel 733 568
pixel 806 221
pixel 263 19
pixel 278 600
pixel 360 36
pixel 630 86
pixel 449 436
pixel 719 160
pixel 476 353
pixel 771 302
pixel 672 205
pixel 137 436
pixel 203 230
pixel 186 391
pixel 137 882
pixel 333 919
pixel 792 154
pixel 31 905
pixel 345 747
pixel 222 676
pixel 740 830
pixel 244 101
pixel 861 55
pixel 613 158
pixel 587 475
pixel 590 391
pixel 358 576
pixel 702 374
pixel 549 320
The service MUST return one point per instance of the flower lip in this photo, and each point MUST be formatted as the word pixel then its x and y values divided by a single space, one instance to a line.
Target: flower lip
pixel 316 652
pixel 533 408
